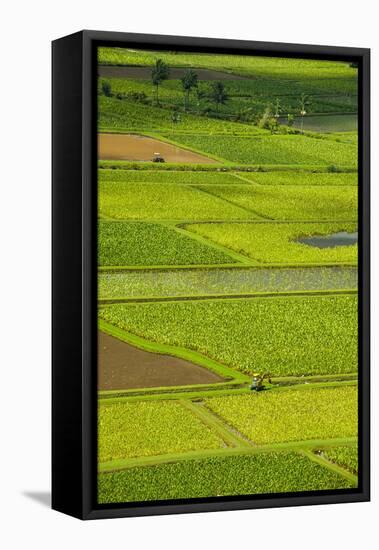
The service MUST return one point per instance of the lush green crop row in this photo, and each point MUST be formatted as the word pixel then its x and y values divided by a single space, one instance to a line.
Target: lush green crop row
pixel 286 335
pixel 121 243
pixel 301 178
pixel 155 201
pixel 126 115
pixel 246 65
pixel 347 457
pixel 167 176
pixel 292 202
pixel 292 415
pixel 277 242
pixel 276 149
pixel 144 428
pixel 240 475
pixel 197 282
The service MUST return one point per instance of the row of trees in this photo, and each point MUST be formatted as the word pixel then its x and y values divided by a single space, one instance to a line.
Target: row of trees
pixel 218 95
pixel 190 81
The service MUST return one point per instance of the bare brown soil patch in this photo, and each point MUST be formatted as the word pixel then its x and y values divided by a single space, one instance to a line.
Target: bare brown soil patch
pixel 135 147
pixel 122 366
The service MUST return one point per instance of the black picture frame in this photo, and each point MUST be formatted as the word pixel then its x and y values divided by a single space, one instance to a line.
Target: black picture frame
pixel 74 295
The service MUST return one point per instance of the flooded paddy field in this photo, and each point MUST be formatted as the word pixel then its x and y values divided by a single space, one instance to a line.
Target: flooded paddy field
pixel 223 281
pixel 142 148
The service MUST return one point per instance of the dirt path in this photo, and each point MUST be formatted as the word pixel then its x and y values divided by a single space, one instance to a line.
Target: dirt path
pixel 122 366
pixel 135 147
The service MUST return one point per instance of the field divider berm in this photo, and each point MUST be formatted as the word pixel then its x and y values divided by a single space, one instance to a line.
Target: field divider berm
pixel 233 203
pixel 168 267
pixel 204 297
pixel 227 373
pixel 330 465
pixel 227 433
pixel 303 447
pixel 196 237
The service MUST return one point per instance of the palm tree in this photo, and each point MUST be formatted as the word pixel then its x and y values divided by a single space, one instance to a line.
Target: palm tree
pixel 189 81
pixel 218 94
pixel 159 73
pixel 304 103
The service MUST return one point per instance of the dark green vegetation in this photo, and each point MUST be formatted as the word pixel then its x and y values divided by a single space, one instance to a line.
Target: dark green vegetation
pixel 120 245
pixel 255 474
pixel 204 262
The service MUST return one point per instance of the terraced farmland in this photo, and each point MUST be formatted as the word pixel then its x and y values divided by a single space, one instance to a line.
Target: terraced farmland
pixel 285 335
pixel 232 262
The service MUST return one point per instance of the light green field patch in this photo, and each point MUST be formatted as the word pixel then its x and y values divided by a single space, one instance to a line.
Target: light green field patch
pixel 276 149
pixel 293 202
pixel 135 201
pixel 209 477
pixel 293 415
pixel 129 430
pixel 134 244
pixel 286 335
pixel 278 242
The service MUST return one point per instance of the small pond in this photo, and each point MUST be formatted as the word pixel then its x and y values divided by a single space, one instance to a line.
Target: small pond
pixel 341 238
pixel 326 123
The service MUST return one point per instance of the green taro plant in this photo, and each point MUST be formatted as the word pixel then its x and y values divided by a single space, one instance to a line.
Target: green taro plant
pixel 129 430
pixel 276 472
pixel 294 415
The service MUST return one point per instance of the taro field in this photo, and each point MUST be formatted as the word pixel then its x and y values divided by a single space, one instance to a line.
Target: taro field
pixel 227 276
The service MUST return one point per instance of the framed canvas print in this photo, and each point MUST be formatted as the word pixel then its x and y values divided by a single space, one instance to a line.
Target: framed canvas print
pixel 210 274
